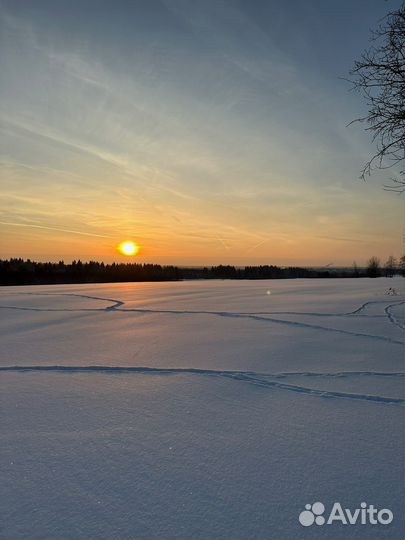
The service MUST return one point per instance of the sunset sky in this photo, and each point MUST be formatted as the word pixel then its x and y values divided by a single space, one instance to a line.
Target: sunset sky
pixel 206 131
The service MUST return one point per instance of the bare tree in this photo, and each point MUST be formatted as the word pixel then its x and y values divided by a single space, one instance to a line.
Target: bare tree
pixel 402 265
pixel 356 272
pixel 379 76
pixel 390 267
pixel 373 267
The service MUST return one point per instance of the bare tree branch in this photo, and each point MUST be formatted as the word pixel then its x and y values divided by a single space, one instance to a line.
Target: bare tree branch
pixel 379 76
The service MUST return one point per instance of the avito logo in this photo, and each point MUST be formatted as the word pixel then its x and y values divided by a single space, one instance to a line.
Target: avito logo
pixel 365 515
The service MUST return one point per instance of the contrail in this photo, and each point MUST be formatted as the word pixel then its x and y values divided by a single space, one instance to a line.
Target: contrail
pixel 53 229
pixel 257 245
pixel 222 242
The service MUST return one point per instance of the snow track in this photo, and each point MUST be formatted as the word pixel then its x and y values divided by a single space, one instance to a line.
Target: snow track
pixel 200 409
pixel 266 316
pixel 391 317
pixel 259 379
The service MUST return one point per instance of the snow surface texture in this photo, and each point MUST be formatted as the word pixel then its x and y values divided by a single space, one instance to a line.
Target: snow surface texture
pixel 200 410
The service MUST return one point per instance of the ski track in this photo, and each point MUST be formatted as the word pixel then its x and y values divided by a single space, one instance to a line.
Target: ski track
pixel 259 379
pixel 391 317
pixel 265 380
pixel 116 306
pixel 363 307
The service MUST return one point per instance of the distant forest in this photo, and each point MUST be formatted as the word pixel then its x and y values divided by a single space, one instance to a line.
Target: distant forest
pixel 27 272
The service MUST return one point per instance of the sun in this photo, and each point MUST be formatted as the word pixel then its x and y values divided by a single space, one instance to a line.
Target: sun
pixel 128 248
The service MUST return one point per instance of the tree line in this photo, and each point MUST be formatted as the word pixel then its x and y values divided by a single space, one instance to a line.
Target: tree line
pixel 27 272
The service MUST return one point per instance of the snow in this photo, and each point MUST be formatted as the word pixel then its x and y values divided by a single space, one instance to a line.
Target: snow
pixel 200 410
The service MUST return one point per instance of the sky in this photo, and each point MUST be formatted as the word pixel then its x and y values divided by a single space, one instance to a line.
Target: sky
pixel 208 132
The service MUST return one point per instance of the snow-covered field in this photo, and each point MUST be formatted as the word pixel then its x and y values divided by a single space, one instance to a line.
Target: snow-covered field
pixel 201 410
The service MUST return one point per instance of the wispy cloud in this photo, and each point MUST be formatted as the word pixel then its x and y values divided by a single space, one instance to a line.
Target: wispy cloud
pixel 32 226
pixel 337 239
pixel 204 136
